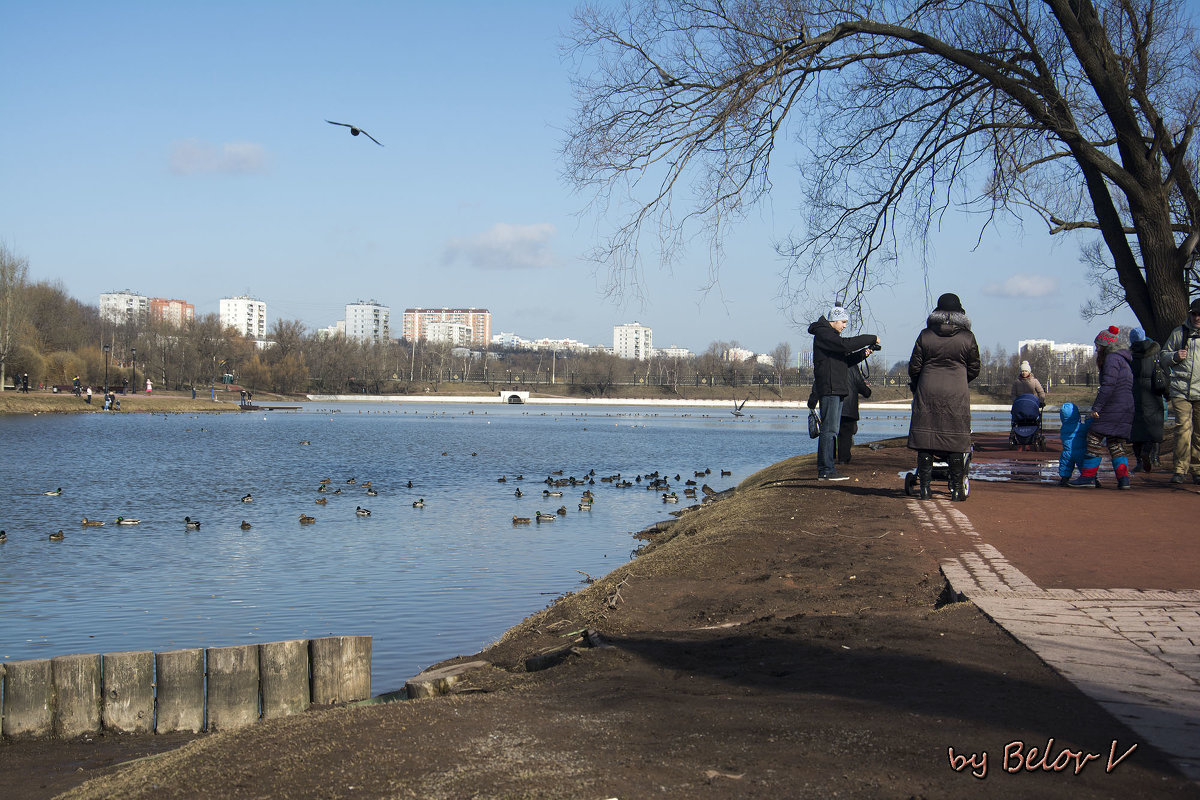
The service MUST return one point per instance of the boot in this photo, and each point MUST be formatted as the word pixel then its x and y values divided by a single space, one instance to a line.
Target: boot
pixel 925 473
pixel 957 465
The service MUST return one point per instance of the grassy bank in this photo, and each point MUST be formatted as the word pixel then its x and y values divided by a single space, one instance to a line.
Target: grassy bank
pixel 165 402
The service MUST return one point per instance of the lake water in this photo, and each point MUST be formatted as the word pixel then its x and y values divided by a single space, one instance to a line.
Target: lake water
pixel 426 583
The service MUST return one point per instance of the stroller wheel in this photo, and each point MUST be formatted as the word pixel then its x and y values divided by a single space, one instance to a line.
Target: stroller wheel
pixel 910 483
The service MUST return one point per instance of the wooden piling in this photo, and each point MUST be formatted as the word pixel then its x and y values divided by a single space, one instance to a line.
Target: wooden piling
pixel 283 667
pixel 28 699
pixel 233 687
pixel 180 684
pixel 127 687
pixel 341 669
pixel 76 694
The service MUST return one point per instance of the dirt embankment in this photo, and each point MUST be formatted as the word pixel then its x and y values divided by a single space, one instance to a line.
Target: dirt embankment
pixel 783 642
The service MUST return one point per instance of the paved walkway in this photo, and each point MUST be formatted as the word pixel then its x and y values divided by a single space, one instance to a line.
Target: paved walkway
pixel 1135 651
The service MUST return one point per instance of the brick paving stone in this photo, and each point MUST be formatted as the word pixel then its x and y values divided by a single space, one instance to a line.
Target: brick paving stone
pixel 1134 651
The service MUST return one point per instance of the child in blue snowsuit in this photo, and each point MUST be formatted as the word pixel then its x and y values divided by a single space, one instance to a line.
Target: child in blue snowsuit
pixel 1074 445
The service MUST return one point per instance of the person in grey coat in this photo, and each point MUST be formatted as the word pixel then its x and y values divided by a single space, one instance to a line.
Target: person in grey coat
pixel 944 360
pixel 1181 355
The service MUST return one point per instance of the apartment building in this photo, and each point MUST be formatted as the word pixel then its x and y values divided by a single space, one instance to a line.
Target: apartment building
pixel 417 321
pixel 245 315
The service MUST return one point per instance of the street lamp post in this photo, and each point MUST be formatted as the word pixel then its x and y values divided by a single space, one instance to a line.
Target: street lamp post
pixel 133 356
pixel 107 349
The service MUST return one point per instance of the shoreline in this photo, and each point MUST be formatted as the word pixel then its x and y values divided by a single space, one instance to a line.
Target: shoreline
pixel 739 655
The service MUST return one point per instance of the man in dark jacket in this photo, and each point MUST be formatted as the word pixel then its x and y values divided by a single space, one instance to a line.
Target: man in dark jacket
pixel 833 356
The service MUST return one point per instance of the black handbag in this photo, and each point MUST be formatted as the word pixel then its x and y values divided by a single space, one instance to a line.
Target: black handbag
pixel 814 425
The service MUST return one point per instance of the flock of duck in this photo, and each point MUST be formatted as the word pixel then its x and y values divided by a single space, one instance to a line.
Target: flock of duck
pixel 555 482
pixel 190 524
pixel 653 481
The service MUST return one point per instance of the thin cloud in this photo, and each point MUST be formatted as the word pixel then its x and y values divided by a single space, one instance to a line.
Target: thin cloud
pixel 505 247
pixel 194 157
pixel 1024 286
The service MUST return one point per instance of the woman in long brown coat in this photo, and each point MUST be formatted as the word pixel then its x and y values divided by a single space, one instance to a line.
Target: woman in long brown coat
pixel 944 360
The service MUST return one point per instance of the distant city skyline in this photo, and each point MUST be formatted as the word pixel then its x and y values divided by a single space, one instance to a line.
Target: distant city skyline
pixel 204 177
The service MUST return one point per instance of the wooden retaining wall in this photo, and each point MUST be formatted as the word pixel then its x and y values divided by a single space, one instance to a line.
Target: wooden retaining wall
pixel 218 688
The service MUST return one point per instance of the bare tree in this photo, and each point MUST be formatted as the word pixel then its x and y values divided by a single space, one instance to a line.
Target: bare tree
pixel 1080 112
pixel 781 360
pixel 13 275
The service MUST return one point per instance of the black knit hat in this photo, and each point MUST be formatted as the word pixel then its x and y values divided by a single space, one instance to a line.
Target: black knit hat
pixel 1195 307
pixel 950 302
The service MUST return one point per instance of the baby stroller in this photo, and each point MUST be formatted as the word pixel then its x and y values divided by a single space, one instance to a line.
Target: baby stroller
pixel 941 472
pixel 1026 424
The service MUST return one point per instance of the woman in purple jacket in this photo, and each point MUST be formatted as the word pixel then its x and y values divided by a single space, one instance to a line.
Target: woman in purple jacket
pixel 1112 412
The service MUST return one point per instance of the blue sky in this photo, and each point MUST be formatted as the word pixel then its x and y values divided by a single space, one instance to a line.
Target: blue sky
pixel 180 150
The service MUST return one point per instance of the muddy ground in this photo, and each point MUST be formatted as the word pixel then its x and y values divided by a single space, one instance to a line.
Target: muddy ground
pixel 787 641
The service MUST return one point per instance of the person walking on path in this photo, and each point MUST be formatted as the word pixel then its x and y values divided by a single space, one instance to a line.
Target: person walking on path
pixel 1112 411
pixel 944 360
pixel 1027 384
pixel 833 356
pixel 1149 399
pixel 1181 352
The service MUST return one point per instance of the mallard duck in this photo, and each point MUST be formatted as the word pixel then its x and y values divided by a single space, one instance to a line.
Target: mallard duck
pixel 725 473
pixel 92 523
pixel 305 519
pixel 562 511
pixel 546 517
pixel 3 537
pixel 585 506
pixel 521 520
pixel 325 481
pixel 350 480
pixel 372 493
pixel 248 499
pixel 366 484
pixel 408 485
pixel 305 441
pixel 419 503
pixel 548 493
pixel 246 525
pixel 57 537
pixel 128 521
pixel 54 493
pixel 191 524
pixel 322 501
pixel 518 493
pixel 322 488
pixel 502 479
pixel 708 490
pixel 670 498
pixel 362 512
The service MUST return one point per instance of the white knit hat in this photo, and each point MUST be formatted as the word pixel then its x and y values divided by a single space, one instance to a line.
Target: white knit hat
pixel 1025 367
pixel 837 314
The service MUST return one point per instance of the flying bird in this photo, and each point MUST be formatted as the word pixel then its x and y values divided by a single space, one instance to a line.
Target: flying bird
pixel 355 131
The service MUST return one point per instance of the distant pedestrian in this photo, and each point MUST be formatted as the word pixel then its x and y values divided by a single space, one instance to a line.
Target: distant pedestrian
pixel 25 382
pixel 1181 355
pixel 1112 411
pixel 1150 382
pixel 944 360
pixel 88 399
pixel 149 386
pixel 76 386
pixel 1027 384
pixel 832 358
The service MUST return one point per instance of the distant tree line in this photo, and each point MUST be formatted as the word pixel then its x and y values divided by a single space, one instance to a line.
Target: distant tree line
pixel 53 338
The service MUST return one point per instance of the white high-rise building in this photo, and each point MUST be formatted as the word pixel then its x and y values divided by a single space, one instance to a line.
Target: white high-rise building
pixel 368 321
pixel 633 340
pixel 245 315
pixel 454 333
pixel 122 307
